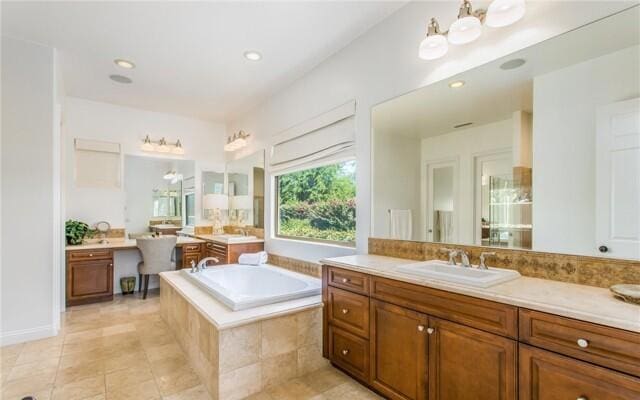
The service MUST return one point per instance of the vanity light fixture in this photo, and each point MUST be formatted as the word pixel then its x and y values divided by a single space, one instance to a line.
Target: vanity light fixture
pixel 456 84
pixel 161 146
pixel 169 175
pixel 237 141
pixel 468 26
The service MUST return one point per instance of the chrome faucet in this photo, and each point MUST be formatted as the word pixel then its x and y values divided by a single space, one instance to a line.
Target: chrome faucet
pixel 452 255
pixel 483 257
pixel 202 265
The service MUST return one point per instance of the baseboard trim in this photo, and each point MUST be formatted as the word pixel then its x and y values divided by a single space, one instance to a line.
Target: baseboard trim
pixel 26 335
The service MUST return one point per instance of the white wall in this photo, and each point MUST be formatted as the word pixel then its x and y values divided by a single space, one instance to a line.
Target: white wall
pixel 564 129
pixel 203 143
pixel 397 185
pixel 464 146
pixel 30 193
pixel 381 64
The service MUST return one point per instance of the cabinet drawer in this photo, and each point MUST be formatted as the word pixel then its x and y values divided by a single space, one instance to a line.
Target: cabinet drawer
pixel 349 352
pixel 191 248
pixel 549 376
pixel 501 319
pixel 216 246
pixel 87 255
pixel 349 311
pixel 349 280
pixel 609 347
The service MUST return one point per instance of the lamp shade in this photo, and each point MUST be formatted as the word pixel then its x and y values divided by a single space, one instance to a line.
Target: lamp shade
pixel 504 12
pixel 242 202
pixel 432 47
pixel 465 30
pixel 216 201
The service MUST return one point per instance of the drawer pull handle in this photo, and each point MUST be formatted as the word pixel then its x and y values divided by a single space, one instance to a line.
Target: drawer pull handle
pixel 420 328
pixel 584 343
pixel 90 254
pixel 582 398
pixel 345 280
pixel 345 352
pixel 345 310
pixel 430 331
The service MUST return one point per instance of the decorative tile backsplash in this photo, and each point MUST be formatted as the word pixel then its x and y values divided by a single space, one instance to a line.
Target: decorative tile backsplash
pixel 250 230
pixel 293 264
pixel 592 271
pixel 203 230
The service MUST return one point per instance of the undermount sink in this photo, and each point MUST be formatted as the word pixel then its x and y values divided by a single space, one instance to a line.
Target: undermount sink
pixel 440 270
pixel 166 226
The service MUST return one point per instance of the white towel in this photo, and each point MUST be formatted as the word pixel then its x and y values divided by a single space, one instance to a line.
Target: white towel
pixel 400 224
pixel 258 258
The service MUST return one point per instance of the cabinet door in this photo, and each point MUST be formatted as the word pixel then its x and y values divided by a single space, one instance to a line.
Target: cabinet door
pixel 470 364
pixel 187 258
pixel 549 376
pixel 89 279
pixel 398 351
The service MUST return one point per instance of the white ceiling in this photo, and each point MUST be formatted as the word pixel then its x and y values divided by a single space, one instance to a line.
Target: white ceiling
pixel 492 94
pixel 189 56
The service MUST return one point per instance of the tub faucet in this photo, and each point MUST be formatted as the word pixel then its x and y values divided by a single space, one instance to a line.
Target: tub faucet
pixel 202 265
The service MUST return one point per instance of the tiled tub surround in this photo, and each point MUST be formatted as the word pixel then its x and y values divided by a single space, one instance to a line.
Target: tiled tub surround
pixel 296 265
pixel 586 303
pixel 237 354
pixel 583 270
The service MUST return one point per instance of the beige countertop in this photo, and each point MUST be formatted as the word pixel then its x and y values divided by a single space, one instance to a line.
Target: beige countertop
pixel 224 318
pixel 586 303
pixel 124 244
pixel 217 239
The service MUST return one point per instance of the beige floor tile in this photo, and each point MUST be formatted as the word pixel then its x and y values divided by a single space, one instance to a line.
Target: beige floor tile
pixel 44 394
pixel 137 359
pixel 141 391
pixel 39 355
pixel 79 336
pixel 325 379
pixel 177 381
pixel 82 346
pixel 166 366
pixel 46 367
pixel 164 351
pixel 25 387
pixel 127 377
pixel 80 389
pixel 294 389
pixel 79 371
pixel 195 393
pixel 77 359
pixel 261 396
pixel 43 344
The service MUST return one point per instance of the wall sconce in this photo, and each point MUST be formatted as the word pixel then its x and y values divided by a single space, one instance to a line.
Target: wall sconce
pixel 468 26
pixel 237 141
pixel 161 146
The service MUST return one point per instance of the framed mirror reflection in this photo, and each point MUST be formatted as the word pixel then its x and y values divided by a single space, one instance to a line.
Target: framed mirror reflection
pixel 538 150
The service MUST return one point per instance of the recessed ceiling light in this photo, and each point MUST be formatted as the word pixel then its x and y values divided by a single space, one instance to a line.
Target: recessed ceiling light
pixel 120 78
pixel 513 64
pixel 463 125
pixel 456 84
pixel 124 63
pixel 252 55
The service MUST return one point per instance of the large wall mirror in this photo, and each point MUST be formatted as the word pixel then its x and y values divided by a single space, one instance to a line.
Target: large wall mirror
pixel 245 187
pixel 539 150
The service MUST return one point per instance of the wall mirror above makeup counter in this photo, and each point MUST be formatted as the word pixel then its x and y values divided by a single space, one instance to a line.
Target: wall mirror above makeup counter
pixel 159 195
pixel 538 150
pixel 233 200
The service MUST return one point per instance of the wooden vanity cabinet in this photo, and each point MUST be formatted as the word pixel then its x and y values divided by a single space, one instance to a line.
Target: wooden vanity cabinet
pixel 191 252
pixel 549 376
pixel 89 276
pixel 431 344
pixel 229 253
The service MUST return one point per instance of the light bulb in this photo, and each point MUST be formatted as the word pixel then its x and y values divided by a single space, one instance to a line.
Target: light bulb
pixel 504 12
pixel 147 145
pixel 163 147
pixel 465 30
pixel 432 47
pixel 178 149
pixel 435 44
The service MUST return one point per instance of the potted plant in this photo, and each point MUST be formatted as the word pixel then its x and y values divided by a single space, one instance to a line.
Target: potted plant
pixel 75 231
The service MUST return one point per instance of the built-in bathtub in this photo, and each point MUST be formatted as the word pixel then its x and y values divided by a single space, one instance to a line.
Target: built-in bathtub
pixel 246 286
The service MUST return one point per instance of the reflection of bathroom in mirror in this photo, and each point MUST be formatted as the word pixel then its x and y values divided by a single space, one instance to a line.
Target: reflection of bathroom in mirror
pixel 159 194
pixel 538 150
pixel 245 188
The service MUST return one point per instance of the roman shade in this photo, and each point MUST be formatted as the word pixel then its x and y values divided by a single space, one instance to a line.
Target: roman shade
pixel 320 140
pixel 97 164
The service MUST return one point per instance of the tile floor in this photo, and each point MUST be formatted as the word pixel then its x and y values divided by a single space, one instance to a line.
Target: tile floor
pixel 123 350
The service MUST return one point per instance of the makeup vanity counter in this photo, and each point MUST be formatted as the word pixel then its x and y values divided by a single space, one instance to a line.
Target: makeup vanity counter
pixel 125 244
pixel 516 340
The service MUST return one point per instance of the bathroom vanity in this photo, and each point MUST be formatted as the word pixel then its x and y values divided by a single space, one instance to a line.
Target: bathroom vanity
pixel 408 338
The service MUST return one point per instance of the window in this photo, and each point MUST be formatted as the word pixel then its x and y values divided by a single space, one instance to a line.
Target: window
pixel 318 204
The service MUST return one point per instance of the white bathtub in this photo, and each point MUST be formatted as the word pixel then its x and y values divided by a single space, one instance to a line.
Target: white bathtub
pixel 245 286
